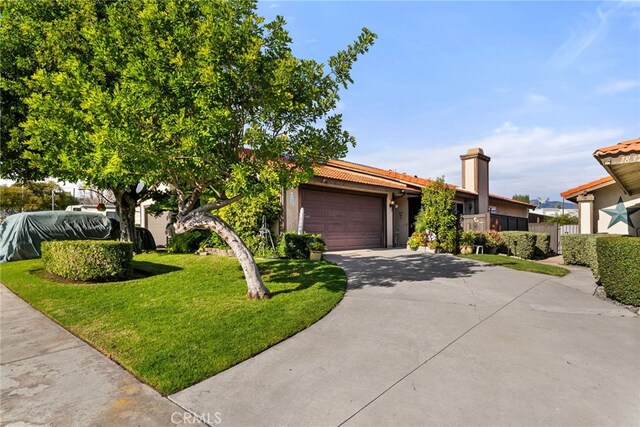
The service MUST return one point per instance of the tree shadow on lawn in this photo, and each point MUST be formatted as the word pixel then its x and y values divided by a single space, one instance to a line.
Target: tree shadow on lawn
pixel 147 268
pixel 371 269
pixel 305 274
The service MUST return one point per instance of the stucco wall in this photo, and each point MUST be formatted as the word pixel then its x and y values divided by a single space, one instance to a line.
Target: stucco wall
pixel 607 198
pixel 402 221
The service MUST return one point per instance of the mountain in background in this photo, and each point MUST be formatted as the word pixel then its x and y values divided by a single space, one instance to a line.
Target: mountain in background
pixel 557 204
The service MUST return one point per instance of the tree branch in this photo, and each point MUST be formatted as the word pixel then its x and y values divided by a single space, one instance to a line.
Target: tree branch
pixel 218 205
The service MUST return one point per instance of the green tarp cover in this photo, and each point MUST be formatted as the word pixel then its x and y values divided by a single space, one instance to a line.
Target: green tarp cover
pixel 21 234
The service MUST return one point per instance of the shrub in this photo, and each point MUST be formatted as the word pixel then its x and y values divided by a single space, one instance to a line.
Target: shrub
pixel 619 267
pixel 580 249
pixel 88 260
pixel 438 214
pixel 296 246
pixel 413 243
pixel 468 238
pixel 493 240
pixel 317 246
pixel 189 242
pixel 520 243
pixel 543 244
pixel 418 239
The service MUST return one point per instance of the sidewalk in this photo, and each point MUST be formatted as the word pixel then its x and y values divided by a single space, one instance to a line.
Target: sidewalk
pixel 50 377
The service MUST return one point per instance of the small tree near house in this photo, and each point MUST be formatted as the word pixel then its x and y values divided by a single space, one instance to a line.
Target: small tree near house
pixel 438 214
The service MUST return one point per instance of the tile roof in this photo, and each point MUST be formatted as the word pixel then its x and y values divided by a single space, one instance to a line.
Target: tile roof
pixel 412 179
pixel 350 176
pixel 631 146
pixel 586 187
pixel 506 199
pixel 344 171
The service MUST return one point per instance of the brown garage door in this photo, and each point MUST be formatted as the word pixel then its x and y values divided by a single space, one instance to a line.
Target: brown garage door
pixel 345 220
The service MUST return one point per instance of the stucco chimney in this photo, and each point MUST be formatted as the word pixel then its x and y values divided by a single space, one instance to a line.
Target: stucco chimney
pixel 475 177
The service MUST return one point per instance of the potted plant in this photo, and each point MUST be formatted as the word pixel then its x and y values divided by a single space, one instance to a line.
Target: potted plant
pixel 316 249
pixel 467 241
pixel 493 241
pixel 434 247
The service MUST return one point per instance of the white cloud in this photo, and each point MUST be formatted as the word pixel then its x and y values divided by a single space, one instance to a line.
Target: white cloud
pixel 535 98
pixel 506 127
pixel 537 161
pixel 617 86
pixel 592 28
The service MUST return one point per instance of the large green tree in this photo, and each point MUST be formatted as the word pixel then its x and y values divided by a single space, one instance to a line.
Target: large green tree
pixel 66 110
pixel 202 95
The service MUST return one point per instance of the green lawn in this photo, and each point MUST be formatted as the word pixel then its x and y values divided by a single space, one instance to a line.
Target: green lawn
pixel 519 264
pixel 191 319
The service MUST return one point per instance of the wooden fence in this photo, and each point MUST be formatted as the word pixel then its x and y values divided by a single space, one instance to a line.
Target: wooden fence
pixel 555 231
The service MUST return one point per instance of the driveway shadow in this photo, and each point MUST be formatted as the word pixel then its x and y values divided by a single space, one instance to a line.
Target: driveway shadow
pixel 387 268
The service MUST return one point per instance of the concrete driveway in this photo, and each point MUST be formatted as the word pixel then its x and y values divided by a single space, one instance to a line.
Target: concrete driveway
pixel 425 339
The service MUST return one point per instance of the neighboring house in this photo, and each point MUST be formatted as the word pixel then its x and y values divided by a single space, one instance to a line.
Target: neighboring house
pixel 355 206
pixel 554 212
pixel 611 204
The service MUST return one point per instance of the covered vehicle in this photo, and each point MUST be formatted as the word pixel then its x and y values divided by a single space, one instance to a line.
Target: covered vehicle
pixel 21 234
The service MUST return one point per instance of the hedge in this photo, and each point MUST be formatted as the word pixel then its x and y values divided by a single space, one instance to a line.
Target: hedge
pixel 520 243
pixel 296 246
pixel 88 260
pixel 619 267
pixel 580 249
pixel 543 244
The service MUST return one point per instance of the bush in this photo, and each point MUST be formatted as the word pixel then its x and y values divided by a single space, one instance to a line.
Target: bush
pixel 520 243
pixel 189 242
pixel 413 243
pixel 88 260
pixel 493 240
pixel 543 244
pixel 317 246
pixel 580 249
pixel 468 238
pixel 296 246
pixel 418 239
pixel 619 267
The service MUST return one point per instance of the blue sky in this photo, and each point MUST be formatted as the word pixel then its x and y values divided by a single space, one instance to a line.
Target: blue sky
pixel 538 85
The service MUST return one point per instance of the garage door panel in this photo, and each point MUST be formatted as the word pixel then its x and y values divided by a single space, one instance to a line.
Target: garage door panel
pixel 345 220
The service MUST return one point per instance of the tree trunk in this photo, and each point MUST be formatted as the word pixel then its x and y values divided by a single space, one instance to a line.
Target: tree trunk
pixel 126 202
pixel 202 220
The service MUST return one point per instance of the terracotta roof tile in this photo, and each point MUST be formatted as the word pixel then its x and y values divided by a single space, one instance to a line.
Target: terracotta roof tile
pixel 413 179
pixel 350 176
pixel 631 146
pixel 506 199
pixel 586 187
pixel 343 165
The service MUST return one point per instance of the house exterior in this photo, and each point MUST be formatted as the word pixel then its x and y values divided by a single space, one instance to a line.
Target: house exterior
pixel 611 204
pixel 355 206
